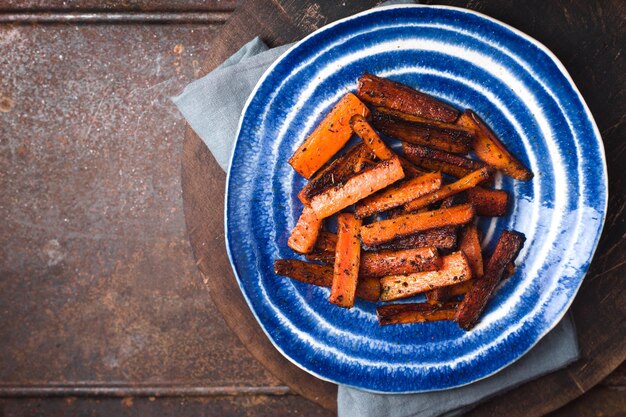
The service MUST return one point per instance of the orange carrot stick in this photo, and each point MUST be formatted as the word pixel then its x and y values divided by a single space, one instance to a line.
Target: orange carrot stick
pixel 443 294
pixel 455 269
pixel 362 128
pixel 407 117
pixel 347 260
pixel 304 234
pixel 385 230
pixel 398 194
pixel 488 202
pixel 339 171
pixel 441 238
pixel 379 264
pixel 328 137
pixel 508 247
pixel 457 141
pixel 383 92
pixel 368 288
pixel 470 246
pixel 469 181
pixel 410 170
pixel 358 187
pixel 435 160
pixel 490 149
pixel 324 249
pixel 415 313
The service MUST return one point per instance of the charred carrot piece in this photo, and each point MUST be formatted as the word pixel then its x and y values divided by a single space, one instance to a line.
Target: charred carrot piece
pixel 443 294
pixel 510 270
pixel 448 202
pixel 435 160
pixel 406 117
pixel 456 141
pixel 398 194
pixel 470 246
pixel 490 149
pixel 304 234
pixel 488 202
pixel 455 269
pixel 440 295
pixel 358 187
pixel 507 249
pixel 440 238
pixel 328 137
pixel 386 230
pixel 386 93
pixel 370 138
pixel 339 171
pixel 307 272
pixel 324 249
pixel 347 260
pixel 322 276
pixel 435 165
pixel 379 264
pixel 415 313
pixel 468 181
pixel 410 170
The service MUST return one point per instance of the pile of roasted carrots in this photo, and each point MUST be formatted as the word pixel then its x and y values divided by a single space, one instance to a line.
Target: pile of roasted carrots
pixel 412 229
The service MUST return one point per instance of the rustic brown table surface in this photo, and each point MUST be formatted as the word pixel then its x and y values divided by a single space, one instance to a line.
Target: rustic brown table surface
pixel 102 308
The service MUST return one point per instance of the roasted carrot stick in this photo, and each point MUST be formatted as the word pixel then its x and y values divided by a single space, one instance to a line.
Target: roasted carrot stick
pixel 386 230
pixel 470 246
pixel 347 260
pixel 435 160
pixel 398 194
pixel 440 238
pixel 488 202
pixel 490 149
pixel 322 276
pixel 383 92
pixel 469 181
pixel 406 117
pixel 339 171
pixel 415 313
pixel 455 269
pixel 328 137
pixel 379 264
pixel 440 295
pixel 435 165
pixel 370 138
pixel 358 187
pixel 410 170
pixel 456 141
pixel 507 249
pixel 324 249
pixel 443 294
pixel 304 234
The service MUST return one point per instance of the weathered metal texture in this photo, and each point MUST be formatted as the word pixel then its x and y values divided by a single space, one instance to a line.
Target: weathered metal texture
pixel 248 406
pixel 118 5
pixel 97 280
pixel 197 17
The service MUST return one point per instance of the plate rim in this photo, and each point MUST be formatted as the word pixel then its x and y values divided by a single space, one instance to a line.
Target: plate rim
pixel 589 116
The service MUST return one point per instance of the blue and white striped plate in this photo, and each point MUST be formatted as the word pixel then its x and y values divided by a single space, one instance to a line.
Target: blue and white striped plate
pixel 472 61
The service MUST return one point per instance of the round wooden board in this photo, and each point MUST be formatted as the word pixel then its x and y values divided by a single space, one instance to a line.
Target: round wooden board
pixel 587 39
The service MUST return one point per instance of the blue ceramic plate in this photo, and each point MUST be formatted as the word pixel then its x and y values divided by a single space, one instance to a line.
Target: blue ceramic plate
pixel 469 60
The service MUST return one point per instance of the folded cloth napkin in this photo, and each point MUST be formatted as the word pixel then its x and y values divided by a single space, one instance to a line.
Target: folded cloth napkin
pixel 212 106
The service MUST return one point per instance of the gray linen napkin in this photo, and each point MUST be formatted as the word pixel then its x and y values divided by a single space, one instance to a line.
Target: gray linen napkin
pixel 212 106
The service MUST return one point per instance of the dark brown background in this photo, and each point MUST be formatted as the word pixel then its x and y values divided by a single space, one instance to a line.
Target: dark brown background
pixel 99 293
